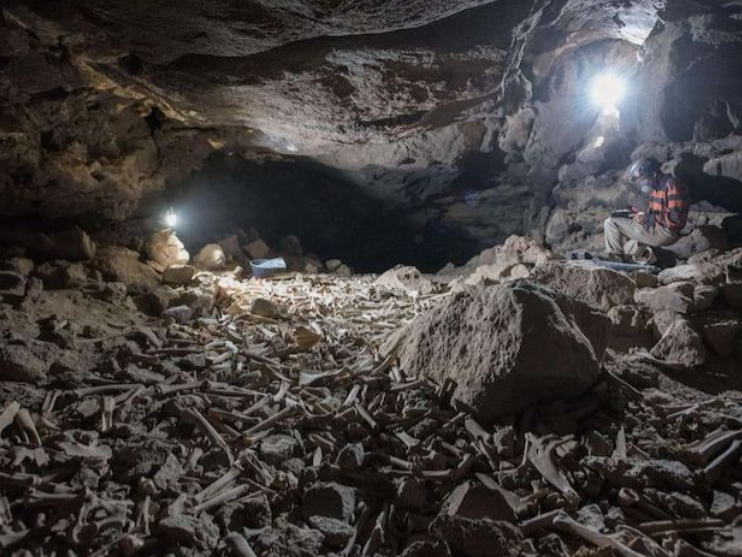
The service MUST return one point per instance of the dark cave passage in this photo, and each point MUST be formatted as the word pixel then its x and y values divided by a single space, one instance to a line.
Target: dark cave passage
pixel 331 216
pixel 370 278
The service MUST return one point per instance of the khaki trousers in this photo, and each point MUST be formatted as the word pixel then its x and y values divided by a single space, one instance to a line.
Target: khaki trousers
pixel 618 231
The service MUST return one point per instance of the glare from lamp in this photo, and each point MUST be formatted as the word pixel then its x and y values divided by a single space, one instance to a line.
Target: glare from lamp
pixel 171 219
pixel 607 91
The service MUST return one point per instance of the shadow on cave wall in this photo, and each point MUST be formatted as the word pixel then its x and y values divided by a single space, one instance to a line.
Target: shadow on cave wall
pixel 719 190
pixel 331 216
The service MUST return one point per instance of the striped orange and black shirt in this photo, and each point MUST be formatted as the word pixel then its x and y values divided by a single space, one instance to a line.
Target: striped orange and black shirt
pixel 668 204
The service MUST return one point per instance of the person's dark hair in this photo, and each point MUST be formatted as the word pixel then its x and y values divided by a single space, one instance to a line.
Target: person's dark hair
pixel 644 169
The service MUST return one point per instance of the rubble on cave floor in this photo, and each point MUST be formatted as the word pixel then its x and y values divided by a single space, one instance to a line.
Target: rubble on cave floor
pixel 295 416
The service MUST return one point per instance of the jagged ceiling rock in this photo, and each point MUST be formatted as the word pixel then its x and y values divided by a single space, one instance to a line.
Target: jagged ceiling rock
pixel 455 109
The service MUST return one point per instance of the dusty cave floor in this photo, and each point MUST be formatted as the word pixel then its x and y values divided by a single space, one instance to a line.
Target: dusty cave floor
pixel 276 426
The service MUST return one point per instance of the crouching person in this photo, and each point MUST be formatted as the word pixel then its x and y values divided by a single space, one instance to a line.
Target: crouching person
pixel 666 215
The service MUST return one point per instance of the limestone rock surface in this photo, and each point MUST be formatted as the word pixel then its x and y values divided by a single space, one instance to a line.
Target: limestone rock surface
pixel 500 345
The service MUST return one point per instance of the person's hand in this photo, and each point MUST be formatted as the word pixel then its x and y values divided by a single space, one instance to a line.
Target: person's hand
pixel 639 218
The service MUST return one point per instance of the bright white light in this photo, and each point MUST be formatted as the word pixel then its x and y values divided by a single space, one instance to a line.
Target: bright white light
pixel 171 219
pixel 291 148
pixel 607 91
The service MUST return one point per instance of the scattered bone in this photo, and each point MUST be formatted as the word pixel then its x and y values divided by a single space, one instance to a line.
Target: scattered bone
pixel 238 409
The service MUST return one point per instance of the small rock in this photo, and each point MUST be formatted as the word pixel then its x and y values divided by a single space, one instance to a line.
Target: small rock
pixel 506 260
pixel 405 280
pixel 677 297
pixel 277 448
pixel 476 501
pixel 19 265
pixel 412 494
pixel 311 268
pixel 291 245
pixel 724 506
pixel 733 294
pixel 178 275
pixel 284 539
pixel 161 299
pixel 12 284
pixel 722 337
pixel 427 549
pixel 258 512
pixel 66 276
pixel 179 314
pixel 169 474
pixel 113 292
pixel 189 530
pixel 231 248
pixel 18 363
pixel 119 264
pixel 701 239
pixel 592 517
pixel 477 538
pixel 166 249
pixel 598 287
pixel 133 461
pixel 70 245
pixel 201 300
pixel 333 265
pixel 351 456
pixel 597 444
pixel 681 343
pixel 704 297
pixel 701 273
pixel 263 308
pixel 627 321
pixel 644 280
pixel 211 257
pixel 661 322
pixel 344 271
pixel 257 249
pixel 337 533
pixel 34 288
pixel 331 500
pixel 504 441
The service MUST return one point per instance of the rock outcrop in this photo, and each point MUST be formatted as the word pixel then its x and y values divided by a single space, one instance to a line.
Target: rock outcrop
pixel 596 286
pixel 468 115
pixel 506 347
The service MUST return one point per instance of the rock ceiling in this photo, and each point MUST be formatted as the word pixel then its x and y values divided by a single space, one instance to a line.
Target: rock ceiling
pixel 106 102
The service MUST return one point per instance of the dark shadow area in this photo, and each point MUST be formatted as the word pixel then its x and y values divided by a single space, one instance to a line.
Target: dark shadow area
pixel 714 378
pixel 331 216
pixel 718 190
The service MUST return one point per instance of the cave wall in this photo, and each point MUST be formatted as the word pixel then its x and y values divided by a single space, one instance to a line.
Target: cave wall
pixel 468 117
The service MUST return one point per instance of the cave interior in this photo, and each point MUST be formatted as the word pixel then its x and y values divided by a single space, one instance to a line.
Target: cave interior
pixel 427 375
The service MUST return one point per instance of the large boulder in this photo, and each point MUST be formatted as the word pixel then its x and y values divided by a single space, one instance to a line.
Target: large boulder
pixel 165 249
pixel 119 264
pixel 599 287
pixel 507 347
